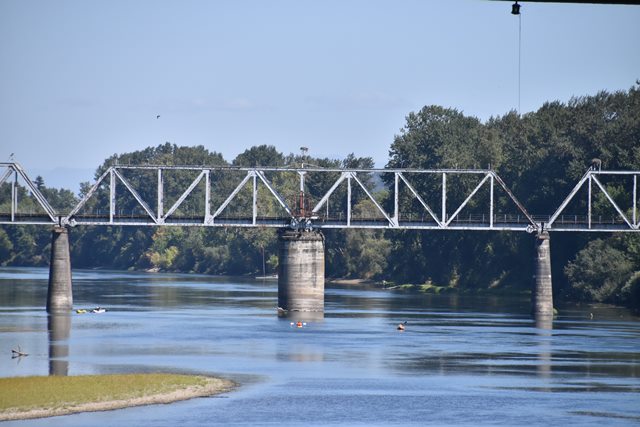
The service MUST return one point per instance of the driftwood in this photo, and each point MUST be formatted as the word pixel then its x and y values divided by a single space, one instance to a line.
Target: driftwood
pixel 18 353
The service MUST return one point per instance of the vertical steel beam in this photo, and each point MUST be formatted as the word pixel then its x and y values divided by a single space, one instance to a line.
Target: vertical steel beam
pixel 491 203
pixel 301 173
pixel 255 200
pixel 635 198
pixel 112 194
pixel 14 196
pixel 443 220
pixel 396 214
pixel 207 196
pixel 160 195
pixel 349 200
pixel 589 205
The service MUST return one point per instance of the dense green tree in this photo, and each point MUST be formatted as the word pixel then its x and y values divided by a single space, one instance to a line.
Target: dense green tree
pixel 262 155
pixel 6 247
pixel 599 272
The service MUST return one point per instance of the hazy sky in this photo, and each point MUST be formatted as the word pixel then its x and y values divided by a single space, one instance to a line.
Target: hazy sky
pixel 81 80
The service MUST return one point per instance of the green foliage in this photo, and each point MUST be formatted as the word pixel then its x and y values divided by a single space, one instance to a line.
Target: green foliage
pixel 6 247
pixel 599 272
pixel 631 291
pixel 262 155
pixel 540 155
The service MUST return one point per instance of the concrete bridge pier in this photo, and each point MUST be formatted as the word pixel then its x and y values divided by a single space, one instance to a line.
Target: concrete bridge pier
pixel 301 271
pixel 60 296
pixel 542 295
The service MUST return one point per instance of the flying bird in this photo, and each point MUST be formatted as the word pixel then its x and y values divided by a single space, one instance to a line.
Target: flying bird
pixel 158 116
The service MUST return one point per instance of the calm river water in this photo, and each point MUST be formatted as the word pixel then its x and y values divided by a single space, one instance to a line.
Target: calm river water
pixel 462 360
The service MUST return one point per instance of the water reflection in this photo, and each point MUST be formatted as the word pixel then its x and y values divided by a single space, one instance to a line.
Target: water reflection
pixel 544 328
pixel 59 326
pixel 544 323
pixel 302 316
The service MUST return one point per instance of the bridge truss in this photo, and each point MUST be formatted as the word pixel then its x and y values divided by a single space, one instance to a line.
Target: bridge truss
pixel 216 196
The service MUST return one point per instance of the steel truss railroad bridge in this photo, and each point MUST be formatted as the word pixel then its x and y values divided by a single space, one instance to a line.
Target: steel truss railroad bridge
pixel 215 196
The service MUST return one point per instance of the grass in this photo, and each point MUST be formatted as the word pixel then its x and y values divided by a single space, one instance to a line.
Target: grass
pixel 25 393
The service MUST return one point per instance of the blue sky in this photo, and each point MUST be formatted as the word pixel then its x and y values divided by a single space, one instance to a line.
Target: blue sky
pixel 81 80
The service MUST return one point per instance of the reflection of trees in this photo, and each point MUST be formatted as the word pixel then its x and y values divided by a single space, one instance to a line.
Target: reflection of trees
pixel 148 290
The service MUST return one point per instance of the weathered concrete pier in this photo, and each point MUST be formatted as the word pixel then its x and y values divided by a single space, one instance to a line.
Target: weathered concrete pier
pixel 301 271
pixel 60 295
pixel 542 295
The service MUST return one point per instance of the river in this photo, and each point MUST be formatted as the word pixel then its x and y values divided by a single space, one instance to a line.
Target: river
pixel 462 360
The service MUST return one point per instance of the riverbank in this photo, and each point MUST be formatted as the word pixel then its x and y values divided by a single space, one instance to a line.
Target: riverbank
pixel 430 288
pixel 38 397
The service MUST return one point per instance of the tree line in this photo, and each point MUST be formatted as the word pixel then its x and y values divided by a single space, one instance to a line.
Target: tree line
pixel 541 155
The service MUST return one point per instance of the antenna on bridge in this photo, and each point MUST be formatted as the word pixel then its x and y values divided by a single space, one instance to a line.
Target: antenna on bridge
pixel 515 10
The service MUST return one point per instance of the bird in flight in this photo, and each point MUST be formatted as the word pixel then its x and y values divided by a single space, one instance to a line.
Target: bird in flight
pixel 158 116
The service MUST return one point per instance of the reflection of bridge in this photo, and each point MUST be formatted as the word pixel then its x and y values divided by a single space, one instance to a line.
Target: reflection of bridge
pixel 307 200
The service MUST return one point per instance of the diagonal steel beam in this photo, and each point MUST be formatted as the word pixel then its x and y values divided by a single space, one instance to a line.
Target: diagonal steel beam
pixel 89 194
pixel 38 195
pixel 422 202
pixel 513 198
pixel 391 221
pixel 569 197
pixel 273 191
pixel 233 194
pixel 135 194
pixel 473 193
pixel 6 174
pixel 615 205
pixel 328 194
pixel 183 196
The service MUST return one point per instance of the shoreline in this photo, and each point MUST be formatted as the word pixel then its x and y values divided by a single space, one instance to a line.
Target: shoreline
pixel 212 387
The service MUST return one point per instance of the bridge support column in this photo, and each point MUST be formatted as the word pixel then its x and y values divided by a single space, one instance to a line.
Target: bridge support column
pixel 542 295
pixel 60 297
pixel 301 271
